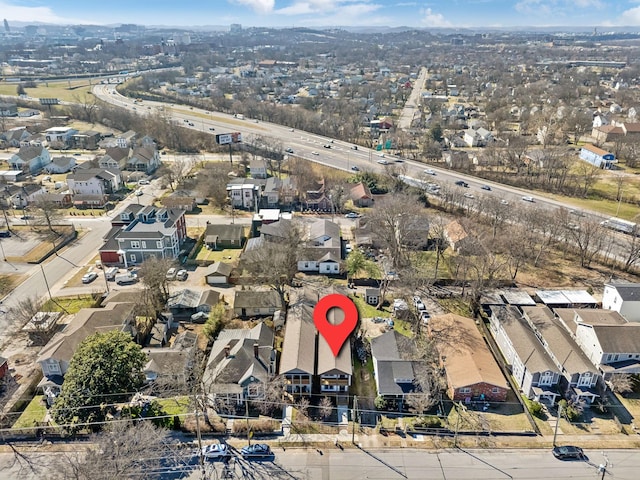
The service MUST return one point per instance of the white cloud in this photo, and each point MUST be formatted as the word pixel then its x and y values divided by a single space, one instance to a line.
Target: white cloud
pixel 258 6
pixel 18 13
pixel 630 17
pixel 330 12
pixel 432 19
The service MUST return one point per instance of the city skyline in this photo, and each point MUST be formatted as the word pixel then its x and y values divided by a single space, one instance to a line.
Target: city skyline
pixel 327 13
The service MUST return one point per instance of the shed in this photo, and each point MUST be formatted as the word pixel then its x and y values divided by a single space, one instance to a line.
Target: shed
pixel 372 296
pixel 218 273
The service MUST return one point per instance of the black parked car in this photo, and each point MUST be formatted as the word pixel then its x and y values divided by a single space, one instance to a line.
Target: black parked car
pixel 568 451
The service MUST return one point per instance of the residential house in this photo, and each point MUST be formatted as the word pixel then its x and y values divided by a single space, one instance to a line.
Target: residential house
pixel 87 140
pixel 11 176
pixel 54 358
pixel 334 372
pixel 256 303
pixel 31 158
pixel 218 273
pixel 394 357
pixel 22 196
pixel 8 110
pixel 126 140
pixel 277 231
pixel 14 136
pixel 624 298
pixel 241 362
pixel 456 158
pixel 606 133
pixel 471 371
pixel 322 248
pixel 143 159
pixel 531 366
pixel 597 157
pixel 456 236
pixel 606 338
pixel 477 138
pixel 172 367
pixel 361 195
pixel 60 165
pixel 580 377
pixel 180 199
pixel 318 200
pixel 186 302
pixel 62 199
pixel 258 168
pixel 126 216
pixel 94 181
pixel 60 137
pixel 297 362
pixel 289 195
pixel 156 232
pixel 245 193
pixel 115 158
pixel 271 193
pixel 219 237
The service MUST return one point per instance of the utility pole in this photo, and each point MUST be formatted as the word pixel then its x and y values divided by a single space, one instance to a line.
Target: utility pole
pixel 197 412
pixel 602 468
pixel 355 417
pixel 246 415
pixel 555 432
pixel 455 433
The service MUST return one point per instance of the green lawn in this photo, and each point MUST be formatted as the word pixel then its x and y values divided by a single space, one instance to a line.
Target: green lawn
pixel 219 255
pixel 71 304
pixel 368 311
pixel 73 91
pixel 403 327
pixel 175 406
pixel 33 414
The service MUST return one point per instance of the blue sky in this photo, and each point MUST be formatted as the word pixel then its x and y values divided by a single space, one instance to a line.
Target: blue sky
pixel 300 13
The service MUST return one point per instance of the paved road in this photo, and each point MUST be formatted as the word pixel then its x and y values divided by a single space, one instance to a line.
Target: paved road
pixel 410 107
pixel 380 464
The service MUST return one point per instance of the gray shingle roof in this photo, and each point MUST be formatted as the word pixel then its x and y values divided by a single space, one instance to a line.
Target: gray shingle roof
pixel 628 291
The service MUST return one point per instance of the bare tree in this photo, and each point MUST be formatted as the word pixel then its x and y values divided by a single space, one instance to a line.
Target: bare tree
pixel 588 237
pixel 212 182
pixel 134 450
pixel 631 248
pixel 325 407
pixel 47 213
pixel 273 397
pixel 175 172
pixel 621 382
pixel 153 273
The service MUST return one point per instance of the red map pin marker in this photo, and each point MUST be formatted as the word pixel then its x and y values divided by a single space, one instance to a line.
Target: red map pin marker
pixel 335 335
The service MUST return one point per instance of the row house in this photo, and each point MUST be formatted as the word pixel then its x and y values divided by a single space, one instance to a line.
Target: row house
pixel 155 232
pixel 580 378
pixel 307 356
pixel 531 366
pixel 606 338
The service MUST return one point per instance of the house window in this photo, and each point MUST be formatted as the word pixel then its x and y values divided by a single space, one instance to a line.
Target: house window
pixel 132 258
pixel 159 244
pixel 306 264
pixel 546 378
pixel 54 367
pixel 609 357
pixel 253 390
pixel 144 244
pixel 135 244
pixel 495 390
pixel 465 390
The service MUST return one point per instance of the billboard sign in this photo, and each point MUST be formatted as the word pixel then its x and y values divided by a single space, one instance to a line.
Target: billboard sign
pixel 228 138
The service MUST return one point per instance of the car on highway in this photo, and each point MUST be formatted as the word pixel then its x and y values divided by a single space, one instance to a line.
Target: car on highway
pixel 355 168
pixel 314 153
pixel 212 129
pixel 568 451
pixel 89 277
pixel 26 217
pixel 182 275
pixel 486 187
pixel 462 183
pixel 352 215
pixel 326 145
pixel 469 195
pixel 428 171
pixel 528 198
pixel 256 450
pixel 216 450
pixel 289 150
pixel 190 124
pixel 504 202
pixel 354 147
pixel 383 162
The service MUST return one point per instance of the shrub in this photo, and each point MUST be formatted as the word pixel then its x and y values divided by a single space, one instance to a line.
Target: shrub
pixel 536 409
pixel 428 422
pixel 380 402
pixel 256 426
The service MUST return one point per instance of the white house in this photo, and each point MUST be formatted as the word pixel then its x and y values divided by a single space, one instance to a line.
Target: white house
pixel 624 298
pixel 245 193
pixel 322 250
pixel 126 140
pixel 59 135
pixel 94 181
pixel 60 165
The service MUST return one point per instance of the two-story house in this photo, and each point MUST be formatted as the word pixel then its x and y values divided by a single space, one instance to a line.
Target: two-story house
pixel 580 377
pixel 144 159
pixel 30 158
pixel 322 249
pixel 60 165
pixel 92 186
pixel 297 362
pixel 245 193
pixel 14 136
pixel 156 232
pixel 22 196
pixel 54 358
pixel 258 168
pixel 60 137
pixel 241 362
pixel 532 368
pixel 606 338
pixel 127 139
pixel 624 298
pixel 115 158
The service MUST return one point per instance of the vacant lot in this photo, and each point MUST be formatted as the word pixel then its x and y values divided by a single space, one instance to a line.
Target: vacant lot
pixel 71 91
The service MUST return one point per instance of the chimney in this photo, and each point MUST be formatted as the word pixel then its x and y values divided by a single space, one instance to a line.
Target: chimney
pixel 255 349
pixel 227 351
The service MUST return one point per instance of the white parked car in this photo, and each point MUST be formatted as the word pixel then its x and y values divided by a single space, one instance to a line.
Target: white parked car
pixel 182 275
pixel 143 182
pixel 428 171
pixel 216 450
pixel 528 198
pixel 89 277
pixel 171 273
